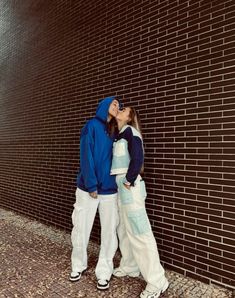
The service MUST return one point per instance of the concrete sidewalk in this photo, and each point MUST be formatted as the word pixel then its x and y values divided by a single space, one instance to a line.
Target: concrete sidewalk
pixel 35 262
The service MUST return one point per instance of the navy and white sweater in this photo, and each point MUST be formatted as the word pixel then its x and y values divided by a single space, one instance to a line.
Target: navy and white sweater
pixel 128 154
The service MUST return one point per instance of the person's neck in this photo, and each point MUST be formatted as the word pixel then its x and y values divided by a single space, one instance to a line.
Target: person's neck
pixel 121 124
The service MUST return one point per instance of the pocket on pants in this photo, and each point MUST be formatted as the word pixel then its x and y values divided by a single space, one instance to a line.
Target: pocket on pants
pixel 125 194
pixel 76 214
pixel 143 189
pixel 139 222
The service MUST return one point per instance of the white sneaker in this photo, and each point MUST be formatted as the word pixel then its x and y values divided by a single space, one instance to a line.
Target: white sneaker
pixel 156 294
pixel 118 272
pixel 75 276
pixel 102 284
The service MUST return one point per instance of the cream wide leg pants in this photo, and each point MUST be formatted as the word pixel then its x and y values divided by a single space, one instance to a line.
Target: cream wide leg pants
pixel 136 240
pixel 83 217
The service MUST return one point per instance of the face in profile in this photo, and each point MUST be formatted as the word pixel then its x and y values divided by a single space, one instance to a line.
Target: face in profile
pixel 124 115
pixel 113 108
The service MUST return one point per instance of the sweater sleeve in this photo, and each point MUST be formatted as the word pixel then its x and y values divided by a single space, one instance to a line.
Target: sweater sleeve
pixel 135 148
pixel 87 166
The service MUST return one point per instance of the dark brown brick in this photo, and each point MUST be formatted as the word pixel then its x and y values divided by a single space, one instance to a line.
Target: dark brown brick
pixel 209 250
pixel 222 260
pixel 195 227
pixel 222 247
pixel 209 275
pixel 209 236
pixel 213 263
pixel 209 224
pixel 229 275
pixel 179 74
pixel 197 276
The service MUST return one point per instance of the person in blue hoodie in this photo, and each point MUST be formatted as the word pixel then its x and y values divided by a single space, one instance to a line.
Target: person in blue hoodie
pixel 96 189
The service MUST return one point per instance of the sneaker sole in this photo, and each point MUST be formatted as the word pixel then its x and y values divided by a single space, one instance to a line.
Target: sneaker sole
pixel 75 278
pixel 103 288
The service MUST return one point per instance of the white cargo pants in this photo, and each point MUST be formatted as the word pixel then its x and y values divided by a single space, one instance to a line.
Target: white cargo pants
pixel 83 217
pixel 136 240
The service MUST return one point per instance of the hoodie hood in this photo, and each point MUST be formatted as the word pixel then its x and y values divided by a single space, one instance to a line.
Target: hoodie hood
pixel 103 108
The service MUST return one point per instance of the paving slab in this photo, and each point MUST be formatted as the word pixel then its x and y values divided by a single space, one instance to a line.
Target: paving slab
pixel 35 263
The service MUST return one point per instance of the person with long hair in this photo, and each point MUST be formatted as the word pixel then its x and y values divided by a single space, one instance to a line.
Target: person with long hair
pixel 139 252
pixel 96 189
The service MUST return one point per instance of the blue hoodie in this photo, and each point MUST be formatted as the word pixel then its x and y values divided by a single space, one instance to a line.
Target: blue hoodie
pixel 96 153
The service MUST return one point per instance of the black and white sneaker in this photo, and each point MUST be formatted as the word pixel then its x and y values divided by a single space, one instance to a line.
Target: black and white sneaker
pixel 103 284
pixel 75 276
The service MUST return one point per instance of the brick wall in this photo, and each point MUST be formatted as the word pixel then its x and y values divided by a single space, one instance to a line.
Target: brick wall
pixel 175 62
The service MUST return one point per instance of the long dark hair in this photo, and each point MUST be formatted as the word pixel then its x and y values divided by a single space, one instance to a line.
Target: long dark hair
pixel 135 120
pixel 112 127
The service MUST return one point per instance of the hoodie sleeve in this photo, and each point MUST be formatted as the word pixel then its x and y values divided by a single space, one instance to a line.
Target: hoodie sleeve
pixel 136 152
pixel 87 166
